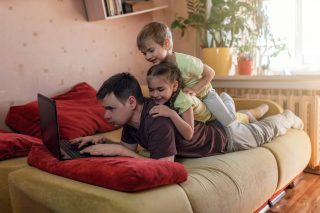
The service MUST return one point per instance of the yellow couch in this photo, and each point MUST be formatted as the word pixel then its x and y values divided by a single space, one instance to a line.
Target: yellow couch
pixel 234 182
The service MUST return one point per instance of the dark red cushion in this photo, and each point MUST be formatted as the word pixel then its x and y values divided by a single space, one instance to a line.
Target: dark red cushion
pixel 118 173
pixel 79 114
pixel 16 145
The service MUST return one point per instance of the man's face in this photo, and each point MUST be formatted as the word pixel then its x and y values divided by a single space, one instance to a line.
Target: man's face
pixel 117 113
pixel 155 53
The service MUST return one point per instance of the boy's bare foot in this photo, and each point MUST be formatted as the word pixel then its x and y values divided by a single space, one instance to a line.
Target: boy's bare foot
pixel 256 113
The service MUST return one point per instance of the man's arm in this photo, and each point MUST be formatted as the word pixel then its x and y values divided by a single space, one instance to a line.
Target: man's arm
pixel 117 149
pixel 113 149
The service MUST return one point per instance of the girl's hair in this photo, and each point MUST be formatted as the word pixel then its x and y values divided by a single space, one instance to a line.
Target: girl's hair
pixel 172 73
pixel 156 31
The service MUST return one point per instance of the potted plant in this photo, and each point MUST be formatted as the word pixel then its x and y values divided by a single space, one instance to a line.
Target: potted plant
pixel 258 42
pixel 246 49
pixel 219 26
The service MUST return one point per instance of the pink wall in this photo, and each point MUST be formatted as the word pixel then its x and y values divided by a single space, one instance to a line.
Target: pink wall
pixel 48 46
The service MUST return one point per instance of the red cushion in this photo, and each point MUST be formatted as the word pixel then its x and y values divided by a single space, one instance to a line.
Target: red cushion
pixel 16 145
pixel 79 114
pixel 118 173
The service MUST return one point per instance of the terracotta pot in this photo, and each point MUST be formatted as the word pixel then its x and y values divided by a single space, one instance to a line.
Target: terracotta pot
pixel 219 59
pixel 245 66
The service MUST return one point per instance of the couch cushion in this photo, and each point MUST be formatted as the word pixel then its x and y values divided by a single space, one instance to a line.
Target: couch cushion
pixel 119 173
pixel 292 152
pixel 79 114
pixel 6 167
pixel 233 182
pixel 37 191
pixel 16 145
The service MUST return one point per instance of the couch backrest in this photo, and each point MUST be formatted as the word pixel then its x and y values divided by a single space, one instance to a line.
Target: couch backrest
pixel 145 90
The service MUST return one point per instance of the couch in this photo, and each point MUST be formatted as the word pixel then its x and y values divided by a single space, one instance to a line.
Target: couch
pixel 243 181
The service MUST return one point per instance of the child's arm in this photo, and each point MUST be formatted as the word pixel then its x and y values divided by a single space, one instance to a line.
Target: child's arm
pixel 207 76
pixel 184 124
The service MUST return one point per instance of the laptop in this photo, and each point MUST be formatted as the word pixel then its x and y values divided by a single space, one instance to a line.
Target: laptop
pixel 60 149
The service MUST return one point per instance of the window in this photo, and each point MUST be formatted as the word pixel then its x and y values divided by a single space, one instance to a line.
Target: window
pixel 295 22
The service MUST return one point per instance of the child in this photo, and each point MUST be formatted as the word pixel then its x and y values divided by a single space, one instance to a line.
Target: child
pixel 165 85
pixel 155 42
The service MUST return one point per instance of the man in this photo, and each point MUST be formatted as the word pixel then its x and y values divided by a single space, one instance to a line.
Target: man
pixel 125 106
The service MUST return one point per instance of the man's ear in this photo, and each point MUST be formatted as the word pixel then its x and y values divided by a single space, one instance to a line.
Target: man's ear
pixel 132 101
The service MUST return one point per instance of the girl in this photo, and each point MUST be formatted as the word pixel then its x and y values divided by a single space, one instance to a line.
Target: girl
pixel 165 87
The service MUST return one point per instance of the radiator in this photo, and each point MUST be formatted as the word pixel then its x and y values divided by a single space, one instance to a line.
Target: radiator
pixel 304 103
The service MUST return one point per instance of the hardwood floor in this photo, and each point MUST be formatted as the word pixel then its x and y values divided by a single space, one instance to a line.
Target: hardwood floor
pixel 303 198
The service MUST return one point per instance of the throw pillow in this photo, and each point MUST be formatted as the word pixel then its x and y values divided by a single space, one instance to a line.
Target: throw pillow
pixel 118 173
pixel 79 114
pixel 15 145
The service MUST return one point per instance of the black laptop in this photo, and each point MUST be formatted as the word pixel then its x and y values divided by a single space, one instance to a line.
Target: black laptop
pixel 61 149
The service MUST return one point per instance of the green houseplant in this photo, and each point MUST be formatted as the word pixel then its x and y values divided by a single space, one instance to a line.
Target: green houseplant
pixel 259 42
pixel 219 24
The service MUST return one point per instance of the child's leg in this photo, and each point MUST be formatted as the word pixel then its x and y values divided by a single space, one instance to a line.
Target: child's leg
pixel 285 121
pixel 222 107
pixel 256 113
pixel 262 131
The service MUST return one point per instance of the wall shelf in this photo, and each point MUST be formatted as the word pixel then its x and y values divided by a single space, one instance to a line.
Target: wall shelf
pixel 138 12
pixel 96 10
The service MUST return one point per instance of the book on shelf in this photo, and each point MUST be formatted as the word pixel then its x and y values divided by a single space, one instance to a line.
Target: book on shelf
pixel 113 7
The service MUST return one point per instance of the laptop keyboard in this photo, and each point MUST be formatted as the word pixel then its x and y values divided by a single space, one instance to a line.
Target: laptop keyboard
pixel 72 151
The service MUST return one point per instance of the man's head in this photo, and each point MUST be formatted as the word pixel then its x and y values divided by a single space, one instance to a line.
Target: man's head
pixel 120 95
pixel 155 42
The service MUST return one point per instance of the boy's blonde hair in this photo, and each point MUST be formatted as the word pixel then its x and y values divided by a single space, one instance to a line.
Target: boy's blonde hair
pixel 156 31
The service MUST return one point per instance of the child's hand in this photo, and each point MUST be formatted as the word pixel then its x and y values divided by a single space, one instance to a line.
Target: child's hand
pixel 161 110
pixel 189 91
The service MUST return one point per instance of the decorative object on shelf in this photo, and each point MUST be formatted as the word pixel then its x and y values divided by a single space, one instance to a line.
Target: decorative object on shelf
pixel 219 24
pixel 130 6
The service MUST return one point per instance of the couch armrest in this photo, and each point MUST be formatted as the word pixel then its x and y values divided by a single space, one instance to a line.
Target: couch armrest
pixel 244 103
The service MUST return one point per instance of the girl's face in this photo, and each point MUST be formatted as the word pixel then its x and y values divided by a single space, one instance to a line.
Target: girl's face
pixel 161 89
pixel 154 52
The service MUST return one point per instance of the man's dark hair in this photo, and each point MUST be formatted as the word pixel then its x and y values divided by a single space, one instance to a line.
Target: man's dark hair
pixel 122 85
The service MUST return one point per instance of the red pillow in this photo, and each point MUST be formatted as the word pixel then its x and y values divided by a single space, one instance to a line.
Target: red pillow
pixel 79 114
pixel 16 145
pixel 118 173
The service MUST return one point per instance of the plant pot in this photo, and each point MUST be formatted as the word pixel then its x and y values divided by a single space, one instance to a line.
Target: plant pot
pixel 245 66
pixel 218 59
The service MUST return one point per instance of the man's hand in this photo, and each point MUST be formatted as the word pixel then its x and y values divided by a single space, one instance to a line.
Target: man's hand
pixel 104 149
pixel 189 91
pixel 161 110
pixel 83 141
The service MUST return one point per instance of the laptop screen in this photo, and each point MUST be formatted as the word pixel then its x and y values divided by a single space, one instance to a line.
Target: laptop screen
pixel 49 125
